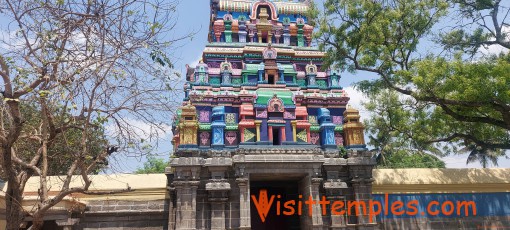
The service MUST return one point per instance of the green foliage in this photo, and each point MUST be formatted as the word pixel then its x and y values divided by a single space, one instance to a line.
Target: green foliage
pixel 403 159
pixel 153 165
pixel 434 103
pixel 64 148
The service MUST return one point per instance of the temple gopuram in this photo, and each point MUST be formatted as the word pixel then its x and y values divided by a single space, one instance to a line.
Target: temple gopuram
pixel 261 116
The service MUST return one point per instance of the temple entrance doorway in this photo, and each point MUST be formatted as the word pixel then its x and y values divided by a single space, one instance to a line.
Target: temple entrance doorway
pixel 276 136
pixel 286 190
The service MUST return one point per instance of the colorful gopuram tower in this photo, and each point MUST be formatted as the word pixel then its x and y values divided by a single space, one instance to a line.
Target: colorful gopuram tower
pixel 262 116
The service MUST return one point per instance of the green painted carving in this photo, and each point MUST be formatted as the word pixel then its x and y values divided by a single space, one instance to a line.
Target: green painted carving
pixel 302 136
pixel 264 95
pixel 237 81
pixel 230 118
pixel 249 135
pixel 315 128
pixel 204 127
pixel 301 82
pixel 214 81
pixel 312 119
pixel 322 83
pixel 231 127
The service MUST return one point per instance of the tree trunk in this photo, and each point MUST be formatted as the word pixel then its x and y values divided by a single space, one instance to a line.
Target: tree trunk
pixel 37 222
pixel 13 198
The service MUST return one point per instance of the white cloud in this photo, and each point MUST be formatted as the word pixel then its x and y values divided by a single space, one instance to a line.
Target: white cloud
pixel 459 161
pixel 493 49
pixel 497 49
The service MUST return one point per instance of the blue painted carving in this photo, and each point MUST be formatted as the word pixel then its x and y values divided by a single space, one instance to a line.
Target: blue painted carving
pixel 201 73
pixel 218 126
pixel 218 137
pixel 261 72
pixel 327 129
pixel 242 28
pixel 334 79
pixel 311 74
pixel 226 78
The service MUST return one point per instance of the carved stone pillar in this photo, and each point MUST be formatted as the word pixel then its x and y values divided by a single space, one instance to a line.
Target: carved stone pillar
pixel 244 202
pixel 361 181
pixel 218 190
pixel 186 215
pixel 317 210
pixel 334 192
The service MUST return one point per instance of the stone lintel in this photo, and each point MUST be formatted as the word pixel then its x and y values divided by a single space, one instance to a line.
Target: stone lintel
pixel 67 222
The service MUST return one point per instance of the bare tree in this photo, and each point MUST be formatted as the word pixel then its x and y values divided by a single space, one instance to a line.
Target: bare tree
pixel 84 65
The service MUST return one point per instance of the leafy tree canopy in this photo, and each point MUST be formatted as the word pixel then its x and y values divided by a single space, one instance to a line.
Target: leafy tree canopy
pixel 153 165
pixel 440 101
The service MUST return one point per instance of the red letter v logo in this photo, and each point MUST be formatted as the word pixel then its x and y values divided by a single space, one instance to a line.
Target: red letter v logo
pixel 263 205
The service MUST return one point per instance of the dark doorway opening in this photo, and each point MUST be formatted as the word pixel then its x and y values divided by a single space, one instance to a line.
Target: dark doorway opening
pixel 287 190
pixel 264 40
pixel 48 225
pixel 276 136
pixel 271 79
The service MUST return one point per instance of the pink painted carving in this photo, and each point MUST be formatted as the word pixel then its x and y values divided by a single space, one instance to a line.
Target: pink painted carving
pixel 339 139
pixel 203 116
pixel 204 138
pixel 231 137
pixel 289 115
pixel 262 114
pixel 314 138
pixel 337 120
pixel 275 105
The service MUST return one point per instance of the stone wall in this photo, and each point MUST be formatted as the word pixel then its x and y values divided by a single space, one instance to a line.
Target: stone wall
pixel 125 215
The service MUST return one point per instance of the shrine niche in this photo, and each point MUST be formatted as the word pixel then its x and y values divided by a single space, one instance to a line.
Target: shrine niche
pixel 275 105
pixel 311 75
pixel 188 125
pixel 265 7
pixel 226 72
pixel 353 129
pixel 269 52
pixel 202 73
pixel 311 68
